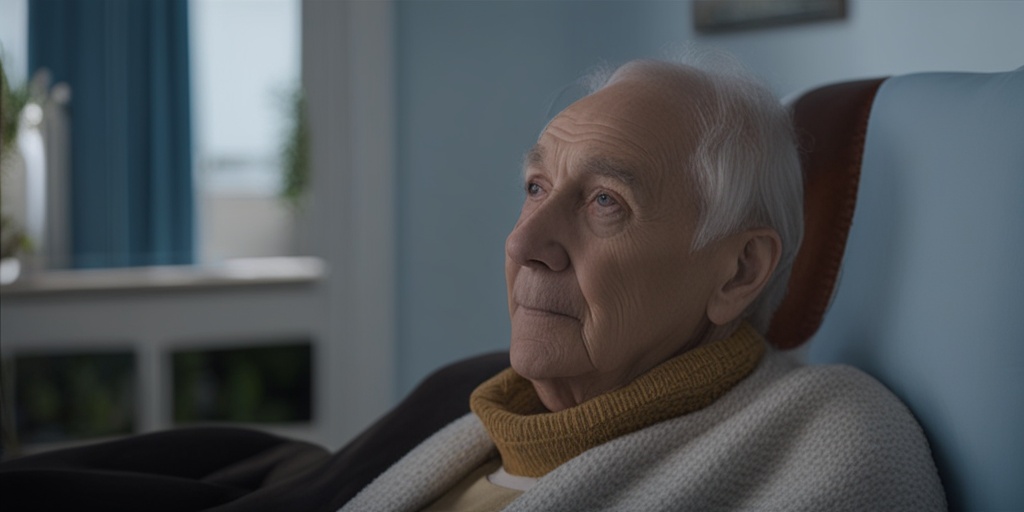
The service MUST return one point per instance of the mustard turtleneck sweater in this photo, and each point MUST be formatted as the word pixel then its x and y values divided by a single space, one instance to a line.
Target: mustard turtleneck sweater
pixel 533 441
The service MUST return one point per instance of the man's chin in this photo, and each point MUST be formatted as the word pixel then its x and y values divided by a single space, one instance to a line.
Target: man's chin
pixel 532 359
pixel 524 357
pixel 540 359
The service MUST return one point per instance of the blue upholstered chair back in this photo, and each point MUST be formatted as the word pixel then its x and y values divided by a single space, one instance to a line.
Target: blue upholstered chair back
pixel 930 298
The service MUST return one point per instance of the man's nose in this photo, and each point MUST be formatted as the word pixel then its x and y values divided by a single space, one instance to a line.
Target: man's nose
pixel 537 240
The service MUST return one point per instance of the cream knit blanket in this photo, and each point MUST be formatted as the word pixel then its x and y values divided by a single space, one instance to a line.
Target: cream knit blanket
pixel 789 437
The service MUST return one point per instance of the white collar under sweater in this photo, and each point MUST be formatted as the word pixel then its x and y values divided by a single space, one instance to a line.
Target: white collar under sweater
pixel 789 437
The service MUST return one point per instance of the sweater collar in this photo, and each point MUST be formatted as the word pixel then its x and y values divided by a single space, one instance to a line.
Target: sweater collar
pixel 533 441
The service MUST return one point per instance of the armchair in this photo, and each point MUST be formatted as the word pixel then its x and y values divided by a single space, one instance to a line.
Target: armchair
pixel 931 291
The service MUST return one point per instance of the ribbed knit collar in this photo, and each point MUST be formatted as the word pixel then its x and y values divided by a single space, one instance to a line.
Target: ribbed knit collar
pixel 533 441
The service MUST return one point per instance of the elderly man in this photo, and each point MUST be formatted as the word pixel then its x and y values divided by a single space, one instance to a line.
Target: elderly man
pixel 661 216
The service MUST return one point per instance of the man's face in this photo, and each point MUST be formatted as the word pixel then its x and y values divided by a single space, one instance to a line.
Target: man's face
pixel 602 284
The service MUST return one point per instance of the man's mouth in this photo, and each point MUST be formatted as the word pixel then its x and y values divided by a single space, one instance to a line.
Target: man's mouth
pixel 543 310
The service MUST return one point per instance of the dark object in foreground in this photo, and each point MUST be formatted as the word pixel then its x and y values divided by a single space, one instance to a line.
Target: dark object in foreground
pixel 233 469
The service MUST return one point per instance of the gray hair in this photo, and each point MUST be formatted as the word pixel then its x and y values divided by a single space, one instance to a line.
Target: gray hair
pixel 745 167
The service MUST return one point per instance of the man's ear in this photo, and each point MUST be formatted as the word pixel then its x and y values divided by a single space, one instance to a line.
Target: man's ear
pixel 751 258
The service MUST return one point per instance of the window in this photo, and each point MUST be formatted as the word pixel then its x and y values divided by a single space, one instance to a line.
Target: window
pixel 68 396
pixel 144 369
pixel 120 209
pixel 245 74
pixel 255 384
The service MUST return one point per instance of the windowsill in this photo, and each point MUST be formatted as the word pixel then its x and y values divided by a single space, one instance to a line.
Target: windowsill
pixel 231 273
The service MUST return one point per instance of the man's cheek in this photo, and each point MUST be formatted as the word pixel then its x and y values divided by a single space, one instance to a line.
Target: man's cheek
pixel 614 300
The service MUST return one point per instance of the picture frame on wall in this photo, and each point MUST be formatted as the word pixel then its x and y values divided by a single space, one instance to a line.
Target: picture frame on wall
pixel 710 16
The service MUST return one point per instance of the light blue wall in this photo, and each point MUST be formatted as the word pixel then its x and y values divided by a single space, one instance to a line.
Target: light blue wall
pixel 475 83
pixel 884 37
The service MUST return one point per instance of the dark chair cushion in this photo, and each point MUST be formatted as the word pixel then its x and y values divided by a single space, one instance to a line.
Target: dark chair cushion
pixel 830 124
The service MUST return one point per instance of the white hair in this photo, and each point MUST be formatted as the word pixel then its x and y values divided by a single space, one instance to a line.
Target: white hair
pixel 745 165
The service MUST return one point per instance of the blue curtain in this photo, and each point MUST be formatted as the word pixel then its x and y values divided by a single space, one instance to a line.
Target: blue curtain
pixel 131 156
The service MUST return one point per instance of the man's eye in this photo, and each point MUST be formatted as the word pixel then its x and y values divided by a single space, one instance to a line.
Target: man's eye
pixel 605 200
pixel 532 188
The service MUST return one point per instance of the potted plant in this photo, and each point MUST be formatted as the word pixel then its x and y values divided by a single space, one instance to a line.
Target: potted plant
pixel 13 240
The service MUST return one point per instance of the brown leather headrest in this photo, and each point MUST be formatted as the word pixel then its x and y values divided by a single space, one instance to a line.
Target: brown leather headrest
pixel 831 123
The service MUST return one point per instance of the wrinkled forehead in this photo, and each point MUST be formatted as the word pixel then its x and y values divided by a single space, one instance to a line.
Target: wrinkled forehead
pixel 651 109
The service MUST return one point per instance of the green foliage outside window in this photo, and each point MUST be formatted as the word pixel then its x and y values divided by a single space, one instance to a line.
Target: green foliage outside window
pixel 270 384
pixel 74 396
pixel 295 151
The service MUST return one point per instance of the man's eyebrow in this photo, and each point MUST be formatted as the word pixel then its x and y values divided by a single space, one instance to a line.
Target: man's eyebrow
pixel 600 165
pixel 534 157
pixel 611 168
